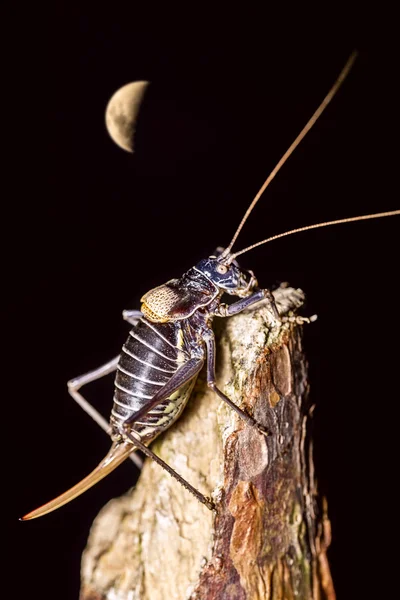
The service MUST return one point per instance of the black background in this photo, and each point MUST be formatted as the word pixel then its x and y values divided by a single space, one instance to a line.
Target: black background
pixel 90 228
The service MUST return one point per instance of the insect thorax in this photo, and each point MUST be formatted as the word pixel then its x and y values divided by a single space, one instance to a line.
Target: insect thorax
pixel 178 299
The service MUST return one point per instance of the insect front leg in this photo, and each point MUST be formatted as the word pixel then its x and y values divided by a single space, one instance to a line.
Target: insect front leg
pixel 75 384
pixel 209 339
pixel 225 310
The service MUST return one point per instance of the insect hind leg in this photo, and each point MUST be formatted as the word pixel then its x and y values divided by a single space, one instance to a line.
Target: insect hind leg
pixel 73 389
pixel 135 439
pixel 185 373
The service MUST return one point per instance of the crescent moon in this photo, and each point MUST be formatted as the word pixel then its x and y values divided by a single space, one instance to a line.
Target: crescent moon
pixel 122 112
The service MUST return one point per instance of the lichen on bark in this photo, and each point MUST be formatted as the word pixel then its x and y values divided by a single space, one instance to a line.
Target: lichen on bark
pixel 269 535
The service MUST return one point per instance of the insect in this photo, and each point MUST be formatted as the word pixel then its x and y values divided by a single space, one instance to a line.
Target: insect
pixel 172 339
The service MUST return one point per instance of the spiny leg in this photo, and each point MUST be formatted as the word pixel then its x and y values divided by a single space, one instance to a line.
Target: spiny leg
pixel 135 439
pixel 75 384
pixel 183 375
pixel 187 372
pixel 225 310
pixel 210 344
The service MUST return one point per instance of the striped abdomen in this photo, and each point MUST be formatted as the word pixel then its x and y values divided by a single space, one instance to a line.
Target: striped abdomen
pixel 151 355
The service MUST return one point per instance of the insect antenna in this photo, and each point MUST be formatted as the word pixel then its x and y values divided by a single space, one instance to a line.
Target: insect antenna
pixel 342 76
pixel 315 226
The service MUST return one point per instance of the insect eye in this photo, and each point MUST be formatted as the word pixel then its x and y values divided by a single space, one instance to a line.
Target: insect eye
pixel 222 269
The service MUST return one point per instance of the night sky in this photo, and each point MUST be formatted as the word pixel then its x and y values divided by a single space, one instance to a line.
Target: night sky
pixel 90 228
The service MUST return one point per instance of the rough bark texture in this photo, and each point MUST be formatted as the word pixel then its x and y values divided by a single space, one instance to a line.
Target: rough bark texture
pixel 269 535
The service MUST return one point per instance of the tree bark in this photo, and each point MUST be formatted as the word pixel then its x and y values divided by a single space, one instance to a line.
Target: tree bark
pixel 269 535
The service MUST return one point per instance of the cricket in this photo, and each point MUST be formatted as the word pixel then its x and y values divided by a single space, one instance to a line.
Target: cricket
pixel 172 339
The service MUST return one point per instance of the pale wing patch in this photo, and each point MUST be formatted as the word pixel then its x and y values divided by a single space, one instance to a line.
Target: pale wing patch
pixel 158 303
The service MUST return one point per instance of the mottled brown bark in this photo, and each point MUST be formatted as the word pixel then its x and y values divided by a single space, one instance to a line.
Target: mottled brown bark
pixel 269 536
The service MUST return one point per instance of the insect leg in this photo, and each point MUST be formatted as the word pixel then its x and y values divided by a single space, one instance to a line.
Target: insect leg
pixel 135 439
pixel 237 307
pixel 132 316
pixel 75 384
pixel 210 344
pixel 187 372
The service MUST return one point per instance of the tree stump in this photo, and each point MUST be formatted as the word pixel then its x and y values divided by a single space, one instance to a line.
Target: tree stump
pixel 269 535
